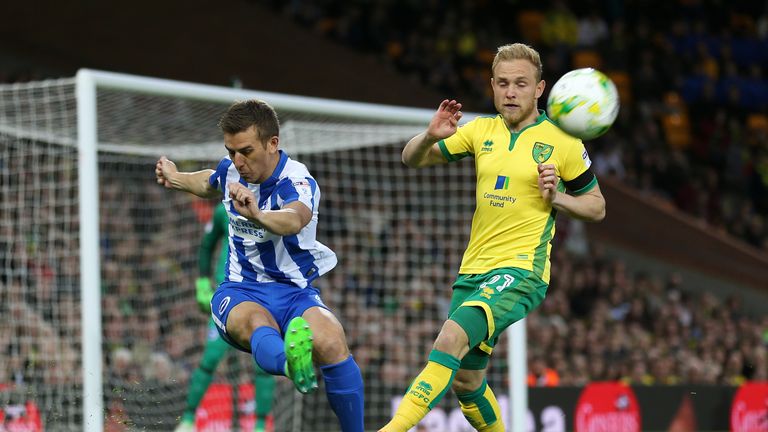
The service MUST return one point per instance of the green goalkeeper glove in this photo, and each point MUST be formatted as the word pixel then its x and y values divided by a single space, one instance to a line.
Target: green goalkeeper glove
pixel 204 294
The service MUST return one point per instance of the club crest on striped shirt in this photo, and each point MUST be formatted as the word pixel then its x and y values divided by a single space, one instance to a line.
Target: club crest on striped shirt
pixel 303 187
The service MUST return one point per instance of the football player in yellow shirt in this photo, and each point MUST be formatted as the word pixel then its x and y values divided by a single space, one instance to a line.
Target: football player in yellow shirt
pixel 524 165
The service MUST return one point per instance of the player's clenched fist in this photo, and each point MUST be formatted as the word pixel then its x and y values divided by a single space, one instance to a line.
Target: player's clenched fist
pixel 547 181
pixel 164 170
pixel 244 200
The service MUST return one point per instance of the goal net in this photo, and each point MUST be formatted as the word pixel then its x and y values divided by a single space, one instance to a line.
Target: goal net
pixel 106 265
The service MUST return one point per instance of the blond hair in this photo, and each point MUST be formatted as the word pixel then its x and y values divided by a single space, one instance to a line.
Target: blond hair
pixel 518 51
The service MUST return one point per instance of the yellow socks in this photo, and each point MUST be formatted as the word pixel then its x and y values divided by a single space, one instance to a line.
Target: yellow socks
pixel 425 392
pixel 481 409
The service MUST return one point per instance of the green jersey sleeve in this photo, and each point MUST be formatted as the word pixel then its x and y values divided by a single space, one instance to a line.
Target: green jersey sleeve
pixel 215 230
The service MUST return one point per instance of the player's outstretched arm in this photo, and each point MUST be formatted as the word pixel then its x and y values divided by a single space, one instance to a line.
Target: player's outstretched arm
pixel 422 150
pixel 588 207
pixel 193 182
pixel 289 220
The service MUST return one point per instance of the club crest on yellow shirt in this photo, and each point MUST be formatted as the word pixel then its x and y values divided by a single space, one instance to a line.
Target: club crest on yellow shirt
pixel 542 152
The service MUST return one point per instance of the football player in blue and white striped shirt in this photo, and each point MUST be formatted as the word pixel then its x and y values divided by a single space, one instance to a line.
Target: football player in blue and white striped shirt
pixel 272 203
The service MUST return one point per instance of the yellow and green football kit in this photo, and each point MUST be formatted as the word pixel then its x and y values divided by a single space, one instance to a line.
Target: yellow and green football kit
pixel 512 225
pixel 504 273
pixel 505 269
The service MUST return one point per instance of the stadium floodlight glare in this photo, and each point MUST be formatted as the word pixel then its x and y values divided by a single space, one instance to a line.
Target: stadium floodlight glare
pixel 99 262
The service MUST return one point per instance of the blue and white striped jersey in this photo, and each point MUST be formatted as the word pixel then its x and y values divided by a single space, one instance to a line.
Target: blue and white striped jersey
pixel 255 254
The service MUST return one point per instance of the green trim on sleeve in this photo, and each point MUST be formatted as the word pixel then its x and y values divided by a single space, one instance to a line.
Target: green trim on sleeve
pixel 448 156
pixel 591 185
pixel 540 253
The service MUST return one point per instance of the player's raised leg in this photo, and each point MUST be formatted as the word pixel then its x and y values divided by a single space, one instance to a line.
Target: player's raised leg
pixel 251 328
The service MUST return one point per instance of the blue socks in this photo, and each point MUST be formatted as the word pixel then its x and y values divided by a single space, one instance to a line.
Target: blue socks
pixel 268 350
pixel 344 388
pixel 343 381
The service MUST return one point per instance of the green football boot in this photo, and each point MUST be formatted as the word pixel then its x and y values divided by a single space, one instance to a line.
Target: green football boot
pixel 298 354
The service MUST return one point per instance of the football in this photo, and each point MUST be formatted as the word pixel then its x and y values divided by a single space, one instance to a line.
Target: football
pixel 584 103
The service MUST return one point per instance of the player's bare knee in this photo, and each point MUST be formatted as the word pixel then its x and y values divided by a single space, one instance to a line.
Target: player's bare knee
pixel 257 320
pixel 330 342
pixel 330 347
pixel 452 340
pixel 244 319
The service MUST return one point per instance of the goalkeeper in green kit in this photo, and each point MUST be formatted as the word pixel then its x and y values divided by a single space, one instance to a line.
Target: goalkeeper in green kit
pixel 216 347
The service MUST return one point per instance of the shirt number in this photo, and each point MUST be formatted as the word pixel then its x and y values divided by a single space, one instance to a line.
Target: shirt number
pixel 496 282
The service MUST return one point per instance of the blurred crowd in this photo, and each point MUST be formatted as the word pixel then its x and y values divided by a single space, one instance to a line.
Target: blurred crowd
pixel 600 321
pixel 692 132
pixel 151 340
pixel 693 128
pixel 399 244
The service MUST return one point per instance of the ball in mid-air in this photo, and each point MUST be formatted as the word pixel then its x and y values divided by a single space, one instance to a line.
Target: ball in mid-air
pixel 584 103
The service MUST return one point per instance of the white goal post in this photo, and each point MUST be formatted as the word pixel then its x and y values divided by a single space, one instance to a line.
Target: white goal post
pixel 124 122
